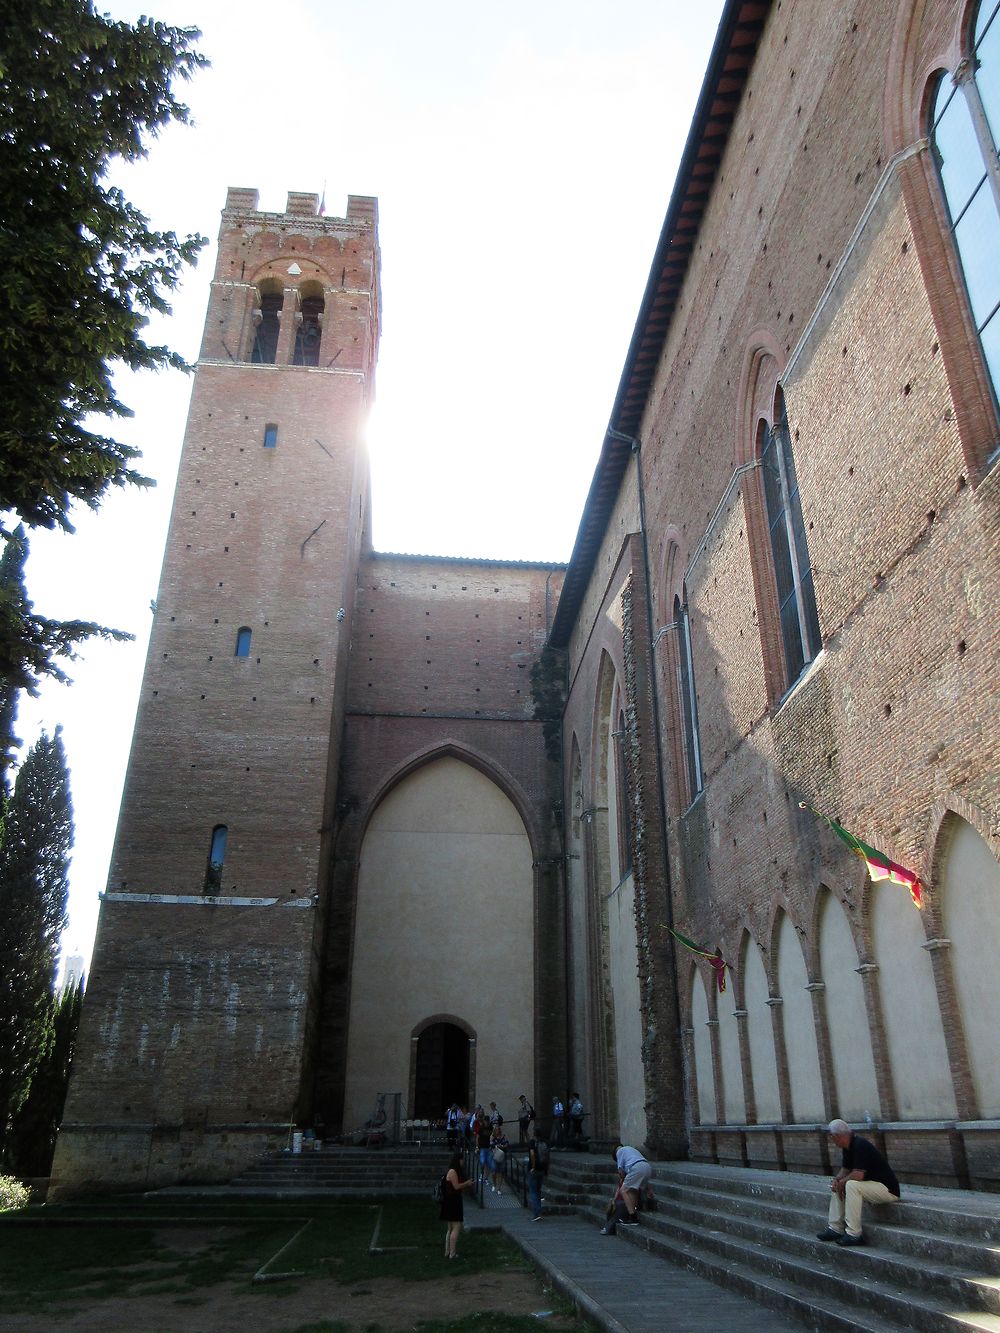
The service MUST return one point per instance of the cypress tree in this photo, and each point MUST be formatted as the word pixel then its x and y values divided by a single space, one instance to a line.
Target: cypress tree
pixel 13 606
pixel 34 864
pixel 32 1140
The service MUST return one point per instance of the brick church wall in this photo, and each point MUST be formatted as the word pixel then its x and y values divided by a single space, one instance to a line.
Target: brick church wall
pixel 441 664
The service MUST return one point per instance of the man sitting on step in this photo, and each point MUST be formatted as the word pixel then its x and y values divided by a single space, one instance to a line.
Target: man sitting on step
pixel 864 1175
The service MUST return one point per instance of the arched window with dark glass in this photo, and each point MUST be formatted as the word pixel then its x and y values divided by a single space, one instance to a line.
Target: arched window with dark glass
pixel 689 700
pixel 309 328
pixel 793 576
pixel 243 637
pixel 216 859
pixel 964 133
pixel 267 318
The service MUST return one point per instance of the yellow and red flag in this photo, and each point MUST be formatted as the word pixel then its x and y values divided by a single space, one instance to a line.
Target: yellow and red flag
pixel 879 865
pixel 716 959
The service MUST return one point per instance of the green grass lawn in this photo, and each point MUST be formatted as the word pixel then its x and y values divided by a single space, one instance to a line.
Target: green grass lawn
pixel 75 1254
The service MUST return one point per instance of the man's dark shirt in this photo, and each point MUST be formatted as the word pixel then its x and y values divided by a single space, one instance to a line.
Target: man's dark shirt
pixel 860 1155
pixel 535 1162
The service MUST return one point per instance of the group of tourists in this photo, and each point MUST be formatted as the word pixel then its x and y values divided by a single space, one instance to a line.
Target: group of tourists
pixel 864 1176
pixel 565 1127
pixel 567 1120
pixel 493 1146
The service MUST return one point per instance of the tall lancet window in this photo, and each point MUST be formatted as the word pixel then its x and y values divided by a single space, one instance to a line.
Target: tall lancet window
pixel 793 574
pixel 965 133
pixel 624 806
pixel 689 700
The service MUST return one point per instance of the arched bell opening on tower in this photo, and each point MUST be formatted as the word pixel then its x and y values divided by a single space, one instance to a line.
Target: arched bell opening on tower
pixel 267 317
pixel 308 325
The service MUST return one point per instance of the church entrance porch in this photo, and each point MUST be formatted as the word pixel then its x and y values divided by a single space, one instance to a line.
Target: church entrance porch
pixel 439 1070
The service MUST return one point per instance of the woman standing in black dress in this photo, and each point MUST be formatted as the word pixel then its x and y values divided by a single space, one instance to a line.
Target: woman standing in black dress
pixel 451 1204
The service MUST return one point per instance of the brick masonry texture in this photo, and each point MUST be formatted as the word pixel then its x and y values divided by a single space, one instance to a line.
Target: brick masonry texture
pixel 441 664
pixel 190 1005
pixel 808 256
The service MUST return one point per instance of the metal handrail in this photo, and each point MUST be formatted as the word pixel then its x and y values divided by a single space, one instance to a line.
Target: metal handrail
pixel 516 1173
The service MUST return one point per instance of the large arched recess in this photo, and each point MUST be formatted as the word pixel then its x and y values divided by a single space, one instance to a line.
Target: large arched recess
pixel 444 923
pixel 623 1108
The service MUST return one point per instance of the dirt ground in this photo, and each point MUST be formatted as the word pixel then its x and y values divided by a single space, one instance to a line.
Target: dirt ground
pixel 285 1307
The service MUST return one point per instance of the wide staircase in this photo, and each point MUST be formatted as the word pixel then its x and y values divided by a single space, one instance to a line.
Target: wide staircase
pixel 933 1262
pixel 345 1171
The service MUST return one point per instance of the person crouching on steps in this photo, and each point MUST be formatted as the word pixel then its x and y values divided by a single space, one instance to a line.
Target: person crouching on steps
pixel 451 1204
pixel 616 1210
pixel 633 1177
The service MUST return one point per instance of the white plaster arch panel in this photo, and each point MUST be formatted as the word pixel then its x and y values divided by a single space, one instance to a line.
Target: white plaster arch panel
pixel 856 1089
pixel 800 1028
pixel 702 1051
pixel 443 837
pixel 760 1031
pixel 580 1069
pixel 917 1053
pixel 970 907
pixel 734 1111
pixel 624 974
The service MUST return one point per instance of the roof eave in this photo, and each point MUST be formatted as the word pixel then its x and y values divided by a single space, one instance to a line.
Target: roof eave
pixel 729 67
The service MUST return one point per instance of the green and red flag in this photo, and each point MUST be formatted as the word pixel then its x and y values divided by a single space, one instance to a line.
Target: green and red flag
pixel 879 865
pixel 716 959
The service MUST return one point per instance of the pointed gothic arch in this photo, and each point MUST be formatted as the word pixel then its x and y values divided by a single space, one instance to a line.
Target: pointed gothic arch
pixel 855 1090
pixel 760 1033
pixel 579 974
pixel 466 754
pixel 923 51
pixel 797 1020
pixel 444 923
pixel 967 883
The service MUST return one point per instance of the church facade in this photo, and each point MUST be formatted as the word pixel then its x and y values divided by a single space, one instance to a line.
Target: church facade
pixel 361 852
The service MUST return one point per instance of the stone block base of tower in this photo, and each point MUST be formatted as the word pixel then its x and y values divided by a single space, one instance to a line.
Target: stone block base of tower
pixel 115 1159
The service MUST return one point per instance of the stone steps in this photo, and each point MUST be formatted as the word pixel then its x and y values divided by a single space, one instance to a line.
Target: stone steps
pixel 932 1264
pixel 345 1170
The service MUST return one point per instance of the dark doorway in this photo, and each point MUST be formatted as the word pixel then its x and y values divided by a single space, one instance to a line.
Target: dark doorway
pixel 442 1074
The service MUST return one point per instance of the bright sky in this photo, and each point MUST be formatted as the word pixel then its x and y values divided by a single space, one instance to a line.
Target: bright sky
pixel 523 155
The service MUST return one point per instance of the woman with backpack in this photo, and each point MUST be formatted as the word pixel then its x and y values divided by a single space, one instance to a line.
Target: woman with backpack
pixel 451 1203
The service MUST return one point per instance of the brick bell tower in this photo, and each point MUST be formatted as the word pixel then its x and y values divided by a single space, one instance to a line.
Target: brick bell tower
pixel 197 1032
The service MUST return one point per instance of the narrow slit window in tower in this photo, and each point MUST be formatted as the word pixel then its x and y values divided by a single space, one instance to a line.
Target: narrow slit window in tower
pixel 216 859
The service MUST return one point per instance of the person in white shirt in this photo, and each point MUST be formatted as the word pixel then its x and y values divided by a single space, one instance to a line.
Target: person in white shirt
pixel 576 1116
pixel 556 1136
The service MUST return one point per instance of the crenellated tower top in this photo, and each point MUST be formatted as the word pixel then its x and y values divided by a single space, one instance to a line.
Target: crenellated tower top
pixel 297 288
